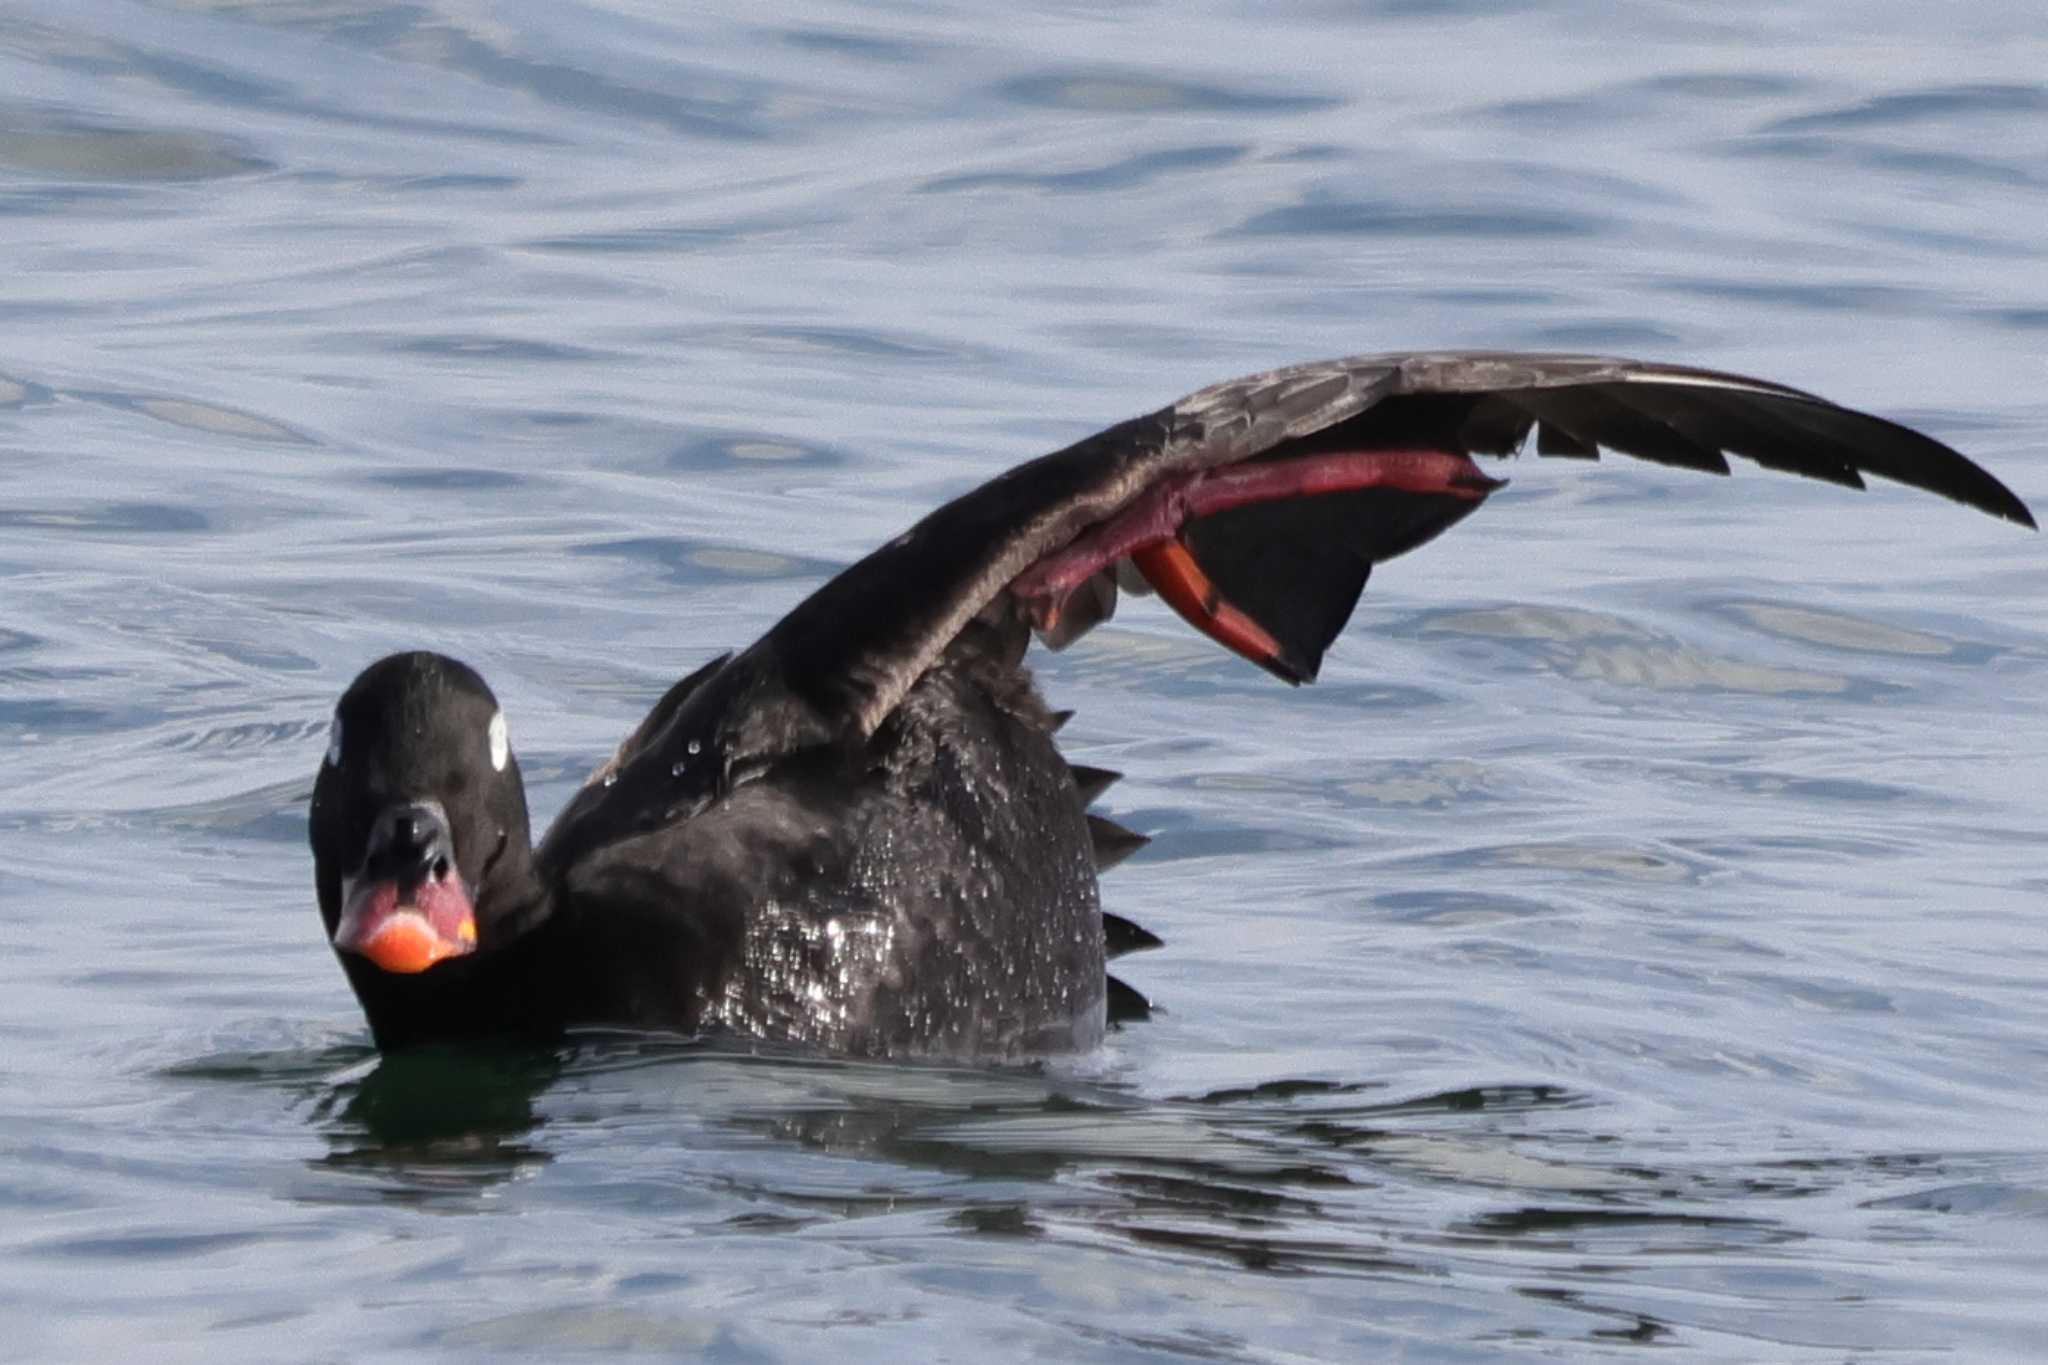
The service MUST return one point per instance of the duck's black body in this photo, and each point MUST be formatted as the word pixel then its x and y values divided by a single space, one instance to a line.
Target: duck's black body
pixel 931 890
pixel 857 833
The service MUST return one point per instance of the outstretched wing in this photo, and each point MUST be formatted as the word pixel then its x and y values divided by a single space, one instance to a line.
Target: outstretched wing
pixel 1289 546
pixel 1256 508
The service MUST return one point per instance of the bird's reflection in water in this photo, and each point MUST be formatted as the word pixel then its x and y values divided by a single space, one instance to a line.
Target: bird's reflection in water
pixel 438 1120
pixel 1290 1177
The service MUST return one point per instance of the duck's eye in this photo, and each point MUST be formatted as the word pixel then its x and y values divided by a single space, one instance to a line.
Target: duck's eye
pixel 501 745
pixel 334 743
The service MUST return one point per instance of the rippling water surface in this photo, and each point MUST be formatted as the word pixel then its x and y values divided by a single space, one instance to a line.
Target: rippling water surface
pixel 1636 940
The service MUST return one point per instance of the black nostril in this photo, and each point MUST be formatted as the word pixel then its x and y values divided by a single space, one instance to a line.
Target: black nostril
pixel 410 843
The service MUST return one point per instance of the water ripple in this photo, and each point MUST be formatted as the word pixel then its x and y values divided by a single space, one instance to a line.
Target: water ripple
pixel 1111 90
pixel 1630 941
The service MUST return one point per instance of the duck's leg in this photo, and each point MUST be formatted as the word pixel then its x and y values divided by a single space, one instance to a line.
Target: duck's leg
pixel 1148 531
pixel 1171 569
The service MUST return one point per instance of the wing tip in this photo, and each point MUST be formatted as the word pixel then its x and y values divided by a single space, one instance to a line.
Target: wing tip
pixel 2011 509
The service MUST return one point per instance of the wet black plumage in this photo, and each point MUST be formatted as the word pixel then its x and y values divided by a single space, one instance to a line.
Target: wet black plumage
pixel 857 833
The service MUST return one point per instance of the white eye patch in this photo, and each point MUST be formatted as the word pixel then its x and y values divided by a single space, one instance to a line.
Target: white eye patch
pixel 334 742
pixel 501 744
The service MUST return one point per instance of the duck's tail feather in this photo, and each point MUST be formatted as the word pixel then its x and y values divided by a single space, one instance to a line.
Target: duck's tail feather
pixel 1113 843
pixel 1126 1005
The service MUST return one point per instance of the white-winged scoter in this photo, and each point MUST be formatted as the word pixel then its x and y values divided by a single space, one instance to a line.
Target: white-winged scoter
pixel 857 834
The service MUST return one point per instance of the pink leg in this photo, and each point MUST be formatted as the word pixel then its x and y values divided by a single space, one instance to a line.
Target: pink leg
pixel 1157 515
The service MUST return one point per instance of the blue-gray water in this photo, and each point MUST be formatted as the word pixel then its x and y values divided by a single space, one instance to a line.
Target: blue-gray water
pixel 1635 941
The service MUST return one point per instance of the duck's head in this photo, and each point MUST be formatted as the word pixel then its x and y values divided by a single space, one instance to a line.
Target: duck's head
pixel 421 850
